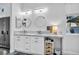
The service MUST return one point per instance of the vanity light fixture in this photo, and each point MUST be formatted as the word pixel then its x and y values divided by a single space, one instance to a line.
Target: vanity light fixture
pixel 22 13
pixel 36 11
pixel 41 10
pixel 28 12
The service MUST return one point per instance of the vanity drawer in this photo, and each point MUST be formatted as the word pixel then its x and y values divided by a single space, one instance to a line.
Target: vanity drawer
pixel 27 49
pixel 27 39
pixel 17 37
pixel 27 44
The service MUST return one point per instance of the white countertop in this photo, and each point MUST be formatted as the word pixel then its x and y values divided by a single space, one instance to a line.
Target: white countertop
pixel 72 34
pixel 50 35
pixel 42 35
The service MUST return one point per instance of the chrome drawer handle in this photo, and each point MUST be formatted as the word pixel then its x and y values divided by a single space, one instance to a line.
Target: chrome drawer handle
pixel 18 39
pixel 27 42
pixel 26 37
pixel 36 41
pixel 36 37
pixel 27 49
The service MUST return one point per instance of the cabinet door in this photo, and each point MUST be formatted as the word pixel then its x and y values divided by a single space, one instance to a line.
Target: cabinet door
pixel 19 43
pixel 27 44
pixel 37 45
pixel 4 32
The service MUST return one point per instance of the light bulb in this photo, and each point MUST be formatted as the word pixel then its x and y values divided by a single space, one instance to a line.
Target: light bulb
pixel 42 10
pixel 28 12
pixel 22 13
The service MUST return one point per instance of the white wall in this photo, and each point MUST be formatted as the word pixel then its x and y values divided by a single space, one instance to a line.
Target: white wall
pixel 71 41
pixel 7 9
pixel 15 12
pixel 72 8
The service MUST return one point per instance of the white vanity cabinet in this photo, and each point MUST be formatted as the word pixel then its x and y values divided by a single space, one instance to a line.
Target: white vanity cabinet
pixel 29 44
pixel 37 45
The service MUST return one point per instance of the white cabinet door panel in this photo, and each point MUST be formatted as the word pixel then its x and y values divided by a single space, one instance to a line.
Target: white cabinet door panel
pixel 27 44
pixel 19 43
pixel 37 45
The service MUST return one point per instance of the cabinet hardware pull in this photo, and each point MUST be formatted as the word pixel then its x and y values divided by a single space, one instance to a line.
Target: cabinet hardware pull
pixel 36 38
pixel 27 49
pixel 18 39
pixel 36 41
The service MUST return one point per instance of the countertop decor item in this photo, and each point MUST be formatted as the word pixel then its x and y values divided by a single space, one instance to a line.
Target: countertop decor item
pixel 73 24
pixel 22 22
pixel 52 29
pixel 26 22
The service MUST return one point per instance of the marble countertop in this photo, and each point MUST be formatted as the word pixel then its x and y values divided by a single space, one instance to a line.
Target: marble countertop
pixel 40 35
